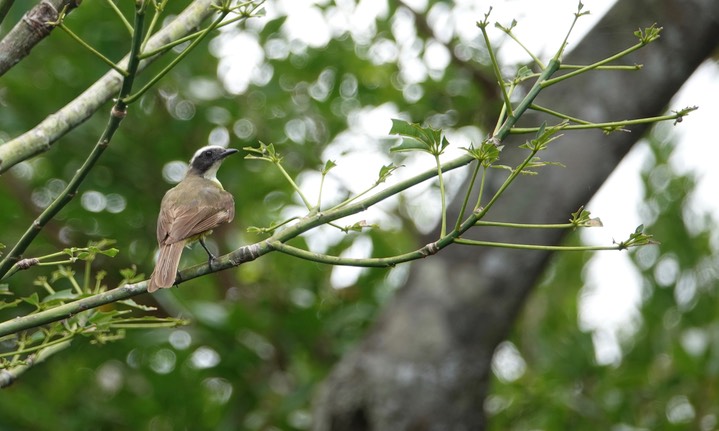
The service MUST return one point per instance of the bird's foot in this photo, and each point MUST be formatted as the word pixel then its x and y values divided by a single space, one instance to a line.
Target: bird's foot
pixel 210 257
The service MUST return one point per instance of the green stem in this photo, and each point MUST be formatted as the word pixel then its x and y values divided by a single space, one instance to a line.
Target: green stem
pixel 124 20
pixel 319 195
pixel 371 262
pixel 95 52
pixel 481 188
pixel 592 66
pixel 194 35
pixel 442 195
pixel 558 114
pixel 176 60
pixel 466 195
pixel 295 186
pixel 86 277
pixel 536 247
pixel 75 286
pixel 495 68
pixel 534 57
pixel 183 39
pixel 609 67
pixel 525 225
pixel 515 173
pixel 159 8
pixel 612 125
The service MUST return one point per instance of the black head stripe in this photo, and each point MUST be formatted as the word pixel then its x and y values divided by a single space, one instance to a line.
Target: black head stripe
pixel 205 157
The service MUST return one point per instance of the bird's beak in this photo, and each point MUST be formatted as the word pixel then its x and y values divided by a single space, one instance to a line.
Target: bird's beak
pixel 228 152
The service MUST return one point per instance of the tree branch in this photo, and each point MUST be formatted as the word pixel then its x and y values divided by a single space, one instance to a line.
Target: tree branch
pixel 32 28
pixel 41 137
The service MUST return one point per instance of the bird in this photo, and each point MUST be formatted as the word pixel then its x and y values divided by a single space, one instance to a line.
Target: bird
pixel 189 211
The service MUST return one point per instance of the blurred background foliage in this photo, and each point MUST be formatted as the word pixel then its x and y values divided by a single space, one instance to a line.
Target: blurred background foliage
pixel 265 334
pixel 666 373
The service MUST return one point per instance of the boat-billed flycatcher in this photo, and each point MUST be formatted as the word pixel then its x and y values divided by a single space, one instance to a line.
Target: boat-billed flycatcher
pixel 189 211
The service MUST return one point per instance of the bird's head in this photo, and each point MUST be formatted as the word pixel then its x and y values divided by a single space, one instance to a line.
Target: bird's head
pixel 207 160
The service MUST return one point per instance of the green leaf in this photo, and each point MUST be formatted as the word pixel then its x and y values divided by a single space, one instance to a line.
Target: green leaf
pixel 61 295
pixel 409 144
pixel 263 152
pixel 486 154
pixel 358 227
pixel 33 299
pixel 403 128
pixel 544 136
pixel 418 138
pixel 385 171
pixel 111 252
pixel 83 255
pixel 9 304
pixel 638 238
pixel 523 73
pixel 329 164
pixel 648 34
pixel 581 218
pixel 272 26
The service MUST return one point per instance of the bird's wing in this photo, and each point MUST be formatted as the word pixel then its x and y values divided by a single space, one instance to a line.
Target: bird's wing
pixel 205 211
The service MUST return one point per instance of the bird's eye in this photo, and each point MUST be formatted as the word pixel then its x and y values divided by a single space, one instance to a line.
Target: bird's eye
pixel 208 153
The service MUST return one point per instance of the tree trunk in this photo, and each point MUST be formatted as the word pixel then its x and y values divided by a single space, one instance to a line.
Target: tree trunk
pixel 425 364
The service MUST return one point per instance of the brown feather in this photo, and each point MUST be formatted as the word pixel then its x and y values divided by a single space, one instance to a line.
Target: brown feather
pixel 184 216
pixel 166 269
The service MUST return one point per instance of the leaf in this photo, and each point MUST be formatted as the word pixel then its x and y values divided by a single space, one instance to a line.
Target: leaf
pixel 359 226
pixel 594 222
pixel 61 295
pixel 486 154
pixel 581 218
pixel 329 164
pixel 101 318
pixel 133 304
pixel 419 138
pixel 637 238
pixel 263 152
pixel 111 252
pixel 385 171
pixel 523 73
pixel 403 128
pixel 272 26
pixel 9 304
pixel 544 136
pixel 33 299
pixel 409 144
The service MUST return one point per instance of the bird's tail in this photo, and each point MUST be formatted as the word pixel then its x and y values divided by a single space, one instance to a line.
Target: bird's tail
pixel 166 268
